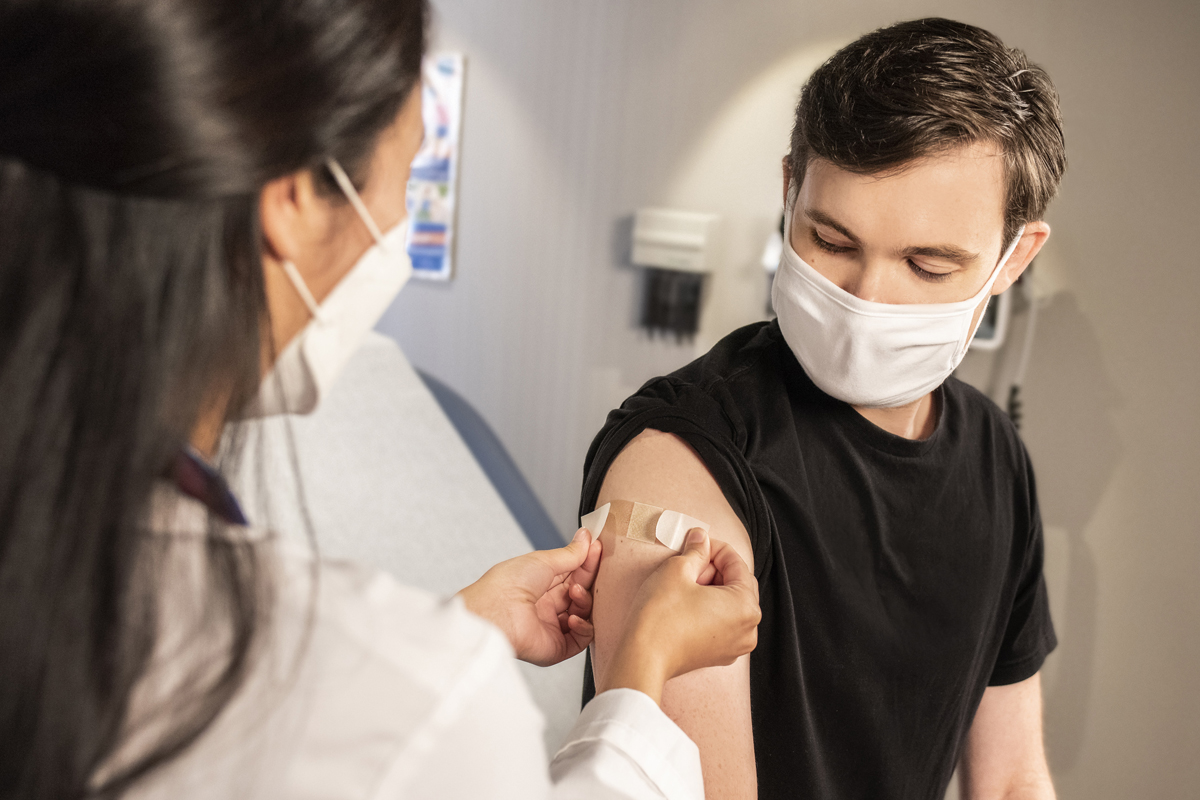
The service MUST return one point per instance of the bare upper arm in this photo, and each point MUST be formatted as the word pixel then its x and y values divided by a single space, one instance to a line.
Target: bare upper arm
pixel 1004 755
pixel 712 705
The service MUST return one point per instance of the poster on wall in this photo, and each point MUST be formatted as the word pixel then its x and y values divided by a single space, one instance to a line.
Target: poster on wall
pixel 432 186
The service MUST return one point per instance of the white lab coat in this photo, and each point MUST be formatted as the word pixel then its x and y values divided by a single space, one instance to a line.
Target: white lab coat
pixel 369 689
pixel 383 479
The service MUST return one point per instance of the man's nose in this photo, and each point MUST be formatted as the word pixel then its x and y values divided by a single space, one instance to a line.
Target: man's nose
pixel 870 282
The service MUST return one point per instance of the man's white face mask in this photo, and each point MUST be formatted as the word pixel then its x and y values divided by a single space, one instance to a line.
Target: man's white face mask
pixel 874 355
pixel 306 369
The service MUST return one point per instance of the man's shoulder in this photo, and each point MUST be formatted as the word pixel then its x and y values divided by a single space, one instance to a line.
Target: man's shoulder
pixel 748 355
pixel 712 398
pixel 982 420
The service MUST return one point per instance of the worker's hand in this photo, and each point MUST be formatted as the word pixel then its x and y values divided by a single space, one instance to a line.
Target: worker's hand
pixel 698 609
pixel 541 600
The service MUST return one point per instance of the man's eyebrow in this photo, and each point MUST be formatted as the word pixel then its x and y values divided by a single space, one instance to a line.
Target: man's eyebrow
pixel 949 252
pixel 821 218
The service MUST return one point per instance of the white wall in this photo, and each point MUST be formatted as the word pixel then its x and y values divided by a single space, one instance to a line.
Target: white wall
pixel 579 112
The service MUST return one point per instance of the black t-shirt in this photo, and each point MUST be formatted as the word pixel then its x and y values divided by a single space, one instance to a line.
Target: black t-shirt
pixel 898 578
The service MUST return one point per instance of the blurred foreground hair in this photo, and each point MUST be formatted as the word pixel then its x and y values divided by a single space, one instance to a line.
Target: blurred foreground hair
pixel 135 138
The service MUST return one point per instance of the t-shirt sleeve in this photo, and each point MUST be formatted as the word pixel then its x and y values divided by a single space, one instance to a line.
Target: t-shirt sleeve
pixel 1029 635
pixel 699 417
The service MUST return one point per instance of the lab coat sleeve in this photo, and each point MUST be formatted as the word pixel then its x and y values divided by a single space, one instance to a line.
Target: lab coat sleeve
pixel 621 747
pixel 624 746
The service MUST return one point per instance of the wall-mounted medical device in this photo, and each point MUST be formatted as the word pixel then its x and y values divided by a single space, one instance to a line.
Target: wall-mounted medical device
pixel 670 239
pixel 993 328
pixel 674 247
pixel 1000 330
pixel 772 252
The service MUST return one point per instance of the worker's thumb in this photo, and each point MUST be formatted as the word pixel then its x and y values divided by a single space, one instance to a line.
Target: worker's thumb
pixel 696 550
pixel 569 558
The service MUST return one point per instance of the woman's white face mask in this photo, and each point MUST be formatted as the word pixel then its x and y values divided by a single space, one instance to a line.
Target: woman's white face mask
pixel 307 368
pixel 873 355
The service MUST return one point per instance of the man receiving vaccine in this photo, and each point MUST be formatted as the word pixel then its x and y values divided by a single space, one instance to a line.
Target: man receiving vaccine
pixel 889 510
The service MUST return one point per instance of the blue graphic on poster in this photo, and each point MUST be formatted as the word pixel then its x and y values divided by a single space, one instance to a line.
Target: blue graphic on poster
pixel 431 187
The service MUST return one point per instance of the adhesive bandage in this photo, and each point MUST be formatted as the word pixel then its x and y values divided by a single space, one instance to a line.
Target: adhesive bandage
pixel 645 523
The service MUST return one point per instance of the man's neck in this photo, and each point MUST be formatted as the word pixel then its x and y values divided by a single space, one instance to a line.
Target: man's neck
pixel 917 420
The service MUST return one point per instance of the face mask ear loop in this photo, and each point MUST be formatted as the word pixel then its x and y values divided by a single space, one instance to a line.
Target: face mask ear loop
pixel 347 187
pixel 301 287
pixel 789 210
pixel 988 287
pixel 1012 248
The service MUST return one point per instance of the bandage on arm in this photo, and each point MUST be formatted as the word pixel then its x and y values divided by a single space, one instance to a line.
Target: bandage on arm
pixel 712 706
pixel 642 522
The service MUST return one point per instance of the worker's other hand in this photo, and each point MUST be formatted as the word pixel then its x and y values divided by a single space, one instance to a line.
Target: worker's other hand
pixel 698 609
pixel 541 600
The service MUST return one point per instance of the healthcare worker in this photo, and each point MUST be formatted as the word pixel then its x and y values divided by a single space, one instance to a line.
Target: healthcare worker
pixel 195 194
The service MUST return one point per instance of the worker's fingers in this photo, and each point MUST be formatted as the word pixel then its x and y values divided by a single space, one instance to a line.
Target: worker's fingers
pixel 581 601
pixel 581 627
pixel 695 555
pixel 559 597
pixel 585 574
pixel 564 560
pixel 732 569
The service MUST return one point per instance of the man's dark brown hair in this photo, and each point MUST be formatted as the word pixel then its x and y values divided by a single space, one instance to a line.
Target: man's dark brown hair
pixel 918 88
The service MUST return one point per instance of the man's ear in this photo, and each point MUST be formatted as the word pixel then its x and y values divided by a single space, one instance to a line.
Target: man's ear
pixel 787 179
pixel 1032 240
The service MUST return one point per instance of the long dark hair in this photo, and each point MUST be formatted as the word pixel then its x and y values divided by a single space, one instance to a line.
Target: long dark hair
pixel 135 137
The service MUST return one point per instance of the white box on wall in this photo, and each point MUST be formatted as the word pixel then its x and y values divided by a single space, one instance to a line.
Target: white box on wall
pixel 671 239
